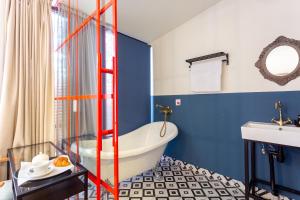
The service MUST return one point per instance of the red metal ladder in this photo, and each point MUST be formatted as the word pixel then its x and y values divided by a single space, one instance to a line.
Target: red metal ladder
pixel 100 96
pixel 114 72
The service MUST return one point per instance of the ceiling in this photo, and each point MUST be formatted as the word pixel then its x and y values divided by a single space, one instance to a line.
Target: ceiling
pixel 146 20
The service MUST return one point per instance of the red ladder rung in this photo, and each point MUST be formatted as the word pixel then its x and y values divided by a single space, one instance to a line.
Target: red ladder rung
pixel 105 70
pixel 92 177
pixel 78 97
pixel 107 187
pixel 107 132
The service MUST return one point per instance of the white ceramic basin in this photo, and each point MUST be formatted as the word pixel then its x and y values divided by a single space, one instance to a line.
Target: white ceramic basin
pixel 271 133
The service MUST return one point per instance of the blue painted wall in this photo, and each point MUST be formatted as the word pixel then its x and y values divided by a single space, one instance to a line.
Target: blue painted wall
pixel 134 83
pixel 210 136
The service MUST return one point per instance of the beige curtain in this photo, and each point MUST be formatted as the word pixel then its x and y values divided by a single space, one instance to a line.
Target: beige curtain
pixel 3 20
pixel 26 99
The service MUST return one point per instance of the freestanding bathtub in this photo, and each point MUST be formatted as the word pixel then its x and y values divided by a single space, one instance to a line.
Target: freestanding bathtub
pixel 139 151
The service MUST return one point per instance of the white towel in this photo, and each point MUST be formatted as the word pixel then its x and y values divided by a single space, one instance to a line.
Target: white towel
pixel 205 76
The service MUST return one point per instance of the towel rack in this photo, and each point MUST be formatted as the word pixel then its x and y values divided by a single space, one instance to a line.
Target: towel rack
pixel 210 56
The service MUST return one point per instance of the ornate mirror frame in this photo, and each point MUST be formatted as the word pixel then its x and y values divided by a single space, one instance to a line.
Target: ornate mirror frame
pixel 261 63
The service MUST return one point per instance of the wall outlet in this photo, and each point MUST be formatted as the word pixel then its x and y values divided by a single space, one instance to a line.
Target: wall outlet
pixel 178 102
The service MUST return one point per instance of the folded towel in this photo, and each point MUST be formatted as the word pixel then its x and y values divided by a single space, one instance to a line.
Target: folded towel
pixel 205 76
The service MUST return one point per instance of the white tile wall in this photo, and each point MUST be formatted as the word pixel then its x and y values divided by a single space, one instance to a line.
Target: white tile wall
pixel 241 28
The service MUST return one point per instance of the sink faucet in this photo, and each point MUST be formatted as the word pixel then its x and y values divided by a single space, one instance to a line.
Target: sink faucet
pixel 280 121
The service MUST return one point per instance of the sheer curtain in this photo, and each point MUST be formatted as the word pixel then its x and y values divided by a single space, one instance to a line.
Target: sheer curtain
pixel 87 81
pixel 87 63
pixel 26 103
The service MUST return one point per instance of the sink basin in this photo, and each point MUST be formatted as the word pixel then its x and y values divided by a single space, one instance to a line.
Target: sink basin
pixel 271 133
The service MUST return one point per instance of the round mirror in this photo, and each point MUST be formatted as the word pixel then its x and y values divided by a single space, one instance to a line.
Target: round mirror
pixel 282 60
pixel 279 61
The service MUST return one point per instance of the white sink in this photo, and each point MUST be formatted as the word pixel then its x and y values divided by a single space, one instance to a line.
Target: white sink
pixel 271 133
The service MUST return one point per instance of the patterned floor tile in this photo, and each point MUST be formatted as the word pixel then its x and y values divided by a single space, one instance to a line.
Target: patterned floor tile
pixel 181 181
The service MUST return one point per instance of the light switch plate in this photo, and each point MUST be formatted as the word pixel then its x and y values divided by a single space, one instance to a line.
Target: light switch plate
pixel 178 102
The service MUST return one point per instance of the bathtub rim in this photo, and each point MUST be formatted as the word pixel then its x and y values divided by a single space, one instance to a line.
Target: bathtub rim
pixel 128 153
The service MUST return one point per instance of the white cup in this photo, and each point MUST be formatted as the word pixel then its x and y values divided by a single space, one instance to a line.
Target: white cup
pixel 39 168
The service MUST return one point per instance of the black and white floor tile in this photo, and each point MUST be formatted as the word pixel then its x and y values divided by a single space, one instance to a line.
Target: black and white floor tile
pixel 182 181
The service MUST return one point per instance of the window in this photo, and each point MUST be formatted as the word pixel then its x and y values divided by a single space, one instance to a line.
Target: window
pixel 86 77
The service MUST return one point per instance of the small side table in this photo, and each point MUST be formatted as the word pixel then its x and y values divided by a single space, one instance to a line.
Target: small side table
pixel 58 187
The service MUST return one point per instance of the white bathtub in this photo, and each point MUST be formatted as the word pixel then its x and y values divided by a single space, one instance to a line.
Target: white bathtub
pixel 139 151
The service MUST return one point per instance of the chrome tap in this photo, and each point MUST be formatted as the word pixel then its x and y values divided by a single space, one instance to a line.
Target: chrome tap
pixel 280 121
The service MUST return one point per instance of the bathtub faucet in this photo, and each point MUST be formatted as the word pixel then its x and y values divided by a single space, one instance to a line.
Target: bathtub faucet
pixel 164 109
pixel 167 111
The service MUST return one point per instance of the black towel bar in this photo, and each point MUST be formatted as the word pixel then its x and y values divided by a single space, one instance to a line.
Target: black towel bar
pixel 214 55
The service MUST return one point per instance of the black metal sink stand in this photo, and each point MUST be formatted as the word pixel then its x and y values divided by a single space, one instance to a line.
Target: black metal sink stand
pixel 250 183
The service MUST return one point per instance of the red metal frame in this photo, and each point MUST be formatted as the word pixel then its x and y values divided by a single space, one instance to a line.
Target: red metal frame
pixel 69 78
pixel 77 85
pixel 99 96
pixel 85 22
pixel 115 102
pixel 99 103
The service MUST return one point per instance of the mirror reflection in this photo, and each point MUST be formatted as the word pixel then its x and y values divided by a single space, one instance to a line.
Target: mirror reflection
pixel 282 60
